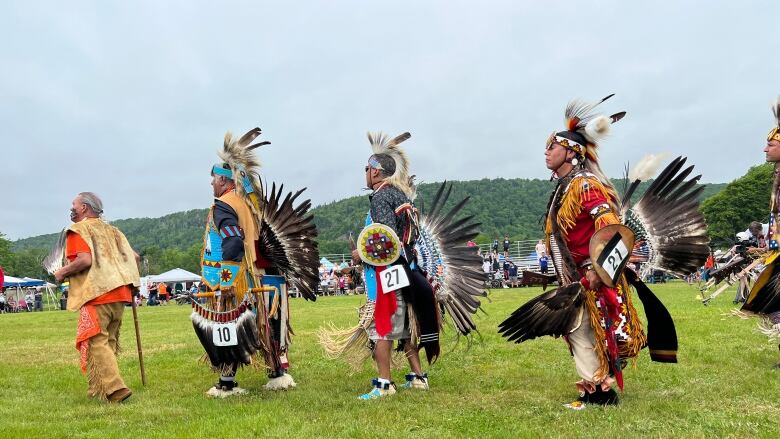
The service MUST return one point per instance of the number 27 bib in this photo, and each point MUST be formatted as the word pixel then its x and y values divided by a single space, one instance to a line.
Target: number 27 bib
pixel 393 278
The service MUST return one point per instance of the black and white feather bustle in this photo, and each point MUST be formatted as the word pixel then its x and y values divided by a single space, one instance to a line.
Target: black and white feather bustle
pixel 668 220
pixel 455 268
pixel 553 313
pixel 248 341
pixel 288 239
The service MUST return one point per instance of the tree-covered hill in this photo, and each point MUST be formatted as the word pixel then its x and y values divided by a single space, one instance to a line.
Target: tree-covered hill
pixel 177 230
pixel 742 201
pixel 503 206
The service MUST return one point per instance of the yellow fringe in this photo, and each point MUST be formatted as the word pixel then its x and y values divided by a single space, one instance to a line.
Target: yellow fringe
pixel 637 339
pixel 599 335
pixel 580 190
pixel 241 284
pixel 606 219
pixel 275 305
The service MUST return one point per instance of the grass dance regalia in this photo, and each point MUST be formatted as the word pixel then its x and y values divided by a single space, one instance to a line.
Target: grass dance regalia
pixel 253 247
pixel 590 237
pixel 742 267
pixel 414 268
pixel 764 297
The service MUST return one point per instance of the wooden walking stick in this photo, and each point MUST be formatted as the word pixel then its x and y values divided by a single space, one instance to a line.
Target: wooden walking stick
pixel 138 338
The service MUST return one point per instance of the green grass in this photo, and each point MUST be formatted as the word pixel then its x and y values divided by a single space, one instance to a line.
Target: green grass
pixel 724 384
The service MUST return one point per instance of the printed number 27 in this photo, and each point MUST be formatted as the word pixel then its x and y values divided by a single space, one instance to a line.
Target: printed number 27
pixel 389 278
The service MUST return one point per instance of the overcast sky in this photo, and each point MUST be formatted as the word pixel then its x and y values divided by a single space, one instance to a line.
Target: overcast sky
pixel 131 99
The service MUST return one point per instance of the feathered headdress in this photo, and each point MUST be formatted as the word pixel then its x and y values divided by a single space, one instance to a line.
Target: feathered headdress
pixel 584 130
pixel 241 165
pixel 774 134
pixel 383 145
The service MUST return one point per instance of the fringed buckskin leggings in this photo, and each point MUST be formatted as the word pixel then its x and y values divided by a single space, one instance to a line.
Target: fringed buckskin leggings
pixel 102 368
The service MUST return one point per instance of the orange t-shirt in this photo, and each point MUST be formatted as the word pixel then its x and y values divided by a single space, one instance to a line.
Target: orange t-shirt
pixel 75 244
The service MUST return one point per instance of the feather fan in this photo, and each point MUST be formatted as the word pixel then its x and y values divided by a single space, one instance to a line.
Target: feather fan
pixel 56 257
pixel 552 313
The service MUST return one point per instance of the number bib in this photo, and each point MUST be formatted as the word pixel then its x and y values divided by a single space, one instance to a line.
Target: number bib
pixel 224 334
pixel 393 278
pixel 617 256
pixel 610 249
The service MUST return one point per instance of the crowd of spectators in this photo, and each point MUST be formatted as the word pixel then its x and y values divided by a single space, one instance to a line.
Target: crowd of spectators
pixel 339 281
pixel 502 270
pixel 31 301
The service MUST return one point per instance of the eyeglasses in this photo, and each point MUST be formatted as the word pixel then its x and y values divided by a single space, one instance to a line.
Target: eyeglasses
pixel 367 168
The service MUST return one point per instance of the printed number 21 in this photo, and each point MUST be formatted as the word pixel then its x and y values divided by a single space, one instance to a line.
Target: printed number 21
pixel 613 261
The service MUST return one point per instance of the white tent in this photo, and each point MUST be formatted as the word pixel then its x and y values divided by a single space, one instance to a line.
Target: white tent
pixel 175 275
pixel 16 288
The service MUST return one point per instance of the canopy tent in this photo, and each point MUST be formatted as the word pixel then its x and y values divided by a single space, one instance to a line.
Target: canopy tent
pixel 17 288
pixel 175 275
pixel 46 284
pixel 15 282
pixel 326 263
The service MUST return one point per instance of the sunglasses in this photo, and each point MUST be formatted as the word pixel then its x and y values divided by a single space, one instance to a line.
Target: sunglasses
pixel 550 144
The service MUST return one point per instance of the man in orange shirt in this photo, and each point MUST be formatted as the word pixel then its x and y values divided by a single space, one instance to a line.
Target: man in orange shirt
pixel 162 292
pixel 102 269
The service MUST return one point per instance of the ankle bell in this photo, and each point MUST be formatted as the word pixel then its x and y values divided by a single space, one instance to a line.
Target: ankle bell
pixel 382 385
pixel 411 376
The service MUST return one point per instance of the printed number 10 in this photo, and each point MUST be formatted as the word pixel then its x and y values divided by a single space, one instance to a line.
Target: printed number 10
pixel 224 334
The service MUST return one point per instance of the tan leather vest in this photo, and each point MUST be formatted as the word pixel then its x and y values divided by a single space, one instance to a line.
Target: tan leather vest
pixel 113 263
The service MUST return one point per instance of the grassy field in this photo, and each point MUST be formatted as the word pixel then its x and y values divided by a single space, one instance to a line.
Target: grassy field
pixel 724 384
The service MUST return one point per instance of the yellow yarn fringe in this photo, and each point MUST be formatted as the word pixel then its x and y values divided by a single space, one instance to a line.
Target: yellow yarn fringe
pixel 629 349
pixel 606 219
pixel 580 190
pixel 637 339
pixel 599 336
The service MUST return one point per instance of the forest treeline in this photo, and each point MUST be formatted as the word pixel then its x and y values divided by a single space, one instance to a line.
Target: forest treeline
pixel 511 207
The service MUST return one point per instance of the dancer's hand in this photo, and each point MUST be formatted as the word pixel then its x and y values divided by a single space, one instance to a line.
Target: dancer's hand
pixel 593 279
